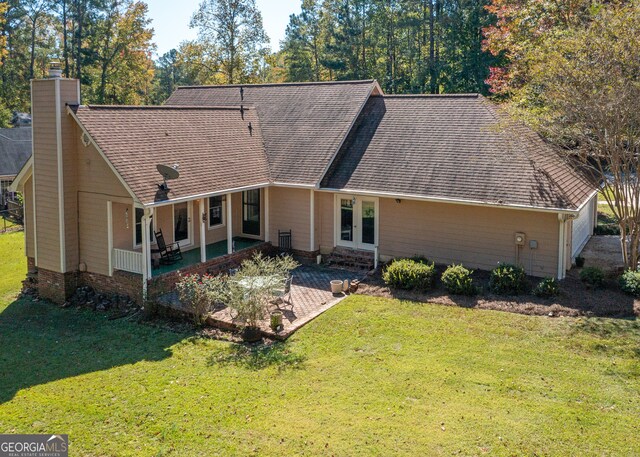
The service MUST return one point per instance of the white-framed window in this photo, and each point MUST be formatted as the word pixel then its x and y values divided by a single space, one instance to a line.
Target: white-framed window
pixel 137 228
pixel 216 211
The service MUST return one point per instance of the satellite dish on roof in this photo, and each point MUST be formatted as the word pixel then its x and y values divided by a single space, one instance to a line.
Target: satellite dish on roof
pixel 167 172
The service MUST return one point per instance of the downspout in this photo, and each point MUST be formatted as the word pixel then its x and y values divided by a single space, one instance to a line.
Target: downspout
pixel 561 246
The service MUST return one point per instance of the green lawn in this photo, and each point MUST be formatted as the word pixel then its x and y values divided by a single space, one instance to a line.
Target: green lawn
pixel 369 377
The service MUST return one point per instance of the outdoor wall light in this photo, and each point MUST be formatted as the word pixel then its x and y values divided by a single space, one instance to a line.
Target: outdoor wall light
pixel 353 201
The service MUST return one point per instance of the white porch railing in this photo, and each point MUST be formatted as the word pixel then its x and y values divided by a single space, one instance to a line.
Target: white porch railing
pixel 127 261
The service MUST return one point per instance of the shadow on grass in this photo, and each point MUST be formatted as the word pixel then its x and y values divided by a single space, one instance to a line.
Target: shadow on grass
pixel 40 343
pixel 258 357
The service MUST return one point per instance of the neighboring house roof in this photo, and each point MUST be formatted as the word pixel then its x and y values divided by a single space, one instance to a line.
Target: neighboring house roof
pixel 215 148
pixel 15 150
pixel 303 124
pixel 453 147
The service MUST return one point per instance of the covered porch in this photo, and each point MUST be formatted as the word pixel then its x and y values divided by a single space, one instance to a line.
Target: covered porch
pixel 202 229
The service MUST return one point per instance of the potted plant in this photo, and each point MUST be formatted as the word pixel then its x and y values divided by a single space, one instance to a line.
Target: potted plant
pixel 579 261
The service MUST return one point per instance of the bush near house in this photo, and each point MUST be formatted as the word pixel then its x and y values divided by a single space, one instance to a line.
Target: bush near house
pixel 630 282
pixel 457 280
pixel 197 294
pixel 507 279
pixel 547 288
pixel 417 273
pixel 593 276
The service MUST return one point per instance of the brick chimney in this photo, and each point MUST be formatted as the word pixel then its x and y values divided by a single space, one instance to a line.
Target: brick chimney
pixel 55 195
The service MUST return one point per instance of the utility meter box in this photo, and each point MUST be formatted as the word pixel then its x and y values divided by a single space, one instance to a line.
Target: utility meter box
pixel 520 239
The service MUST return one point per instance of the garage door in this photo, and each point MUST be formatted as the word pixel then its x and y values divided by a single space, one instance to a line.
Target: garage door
pixel 582 227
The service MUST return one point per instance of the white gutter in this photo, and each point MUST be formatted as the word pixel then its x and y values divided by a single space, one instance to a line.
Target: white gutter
pixel 294 185
pixel 204 195
pixel 449 200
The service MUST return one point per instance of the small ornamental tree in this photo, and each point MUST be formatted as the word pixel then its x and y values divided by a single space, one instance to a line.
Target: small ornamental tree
pixel 578 84
pixel 250 290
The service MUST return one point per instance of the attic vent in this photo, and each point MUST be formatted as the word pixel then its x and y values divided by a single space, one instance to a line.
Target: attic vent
pixel 85 139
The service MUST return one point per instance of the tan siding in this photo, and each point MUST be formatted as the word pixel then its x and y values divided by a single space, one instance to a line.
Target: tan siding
pixel 69 94
pixel 289 209
pixel 46 174
pixel 28 218
pixel 324 221
pixel 45 146
pixel 123 225
pixel 94 174
pixel 93 241
pixel 213 235
pixel 479 237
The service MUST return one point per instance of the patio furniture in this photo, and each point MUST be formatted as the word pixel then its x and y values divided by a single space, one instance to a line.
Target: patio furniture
pixel 284 240
pixel 260 281
pixel 169 253
pixel 285 291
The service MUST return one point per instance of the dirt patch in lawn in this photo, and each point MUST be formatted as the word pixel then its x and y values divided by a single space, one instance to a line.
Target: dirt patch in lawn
pixel 575 298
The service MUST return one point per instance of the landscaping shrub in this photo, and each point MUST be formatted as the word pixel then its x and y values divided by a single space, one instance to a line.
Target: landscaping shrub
pixel 593 276
pixel 546 288
pixel 507 279
pixel 197 294
pixel 457 280
pixel 410 274
pixel 630 282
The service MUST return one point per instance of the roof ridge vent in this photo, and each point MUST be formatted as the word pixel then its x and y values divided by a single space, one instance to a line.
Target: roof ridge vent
pixel 241 93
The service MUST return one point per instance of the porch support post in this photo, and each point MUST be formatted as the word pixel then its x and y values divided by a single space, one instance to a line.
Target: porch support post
pixel 203 228
pixel 146 240
pixel 561 247
pixel 146 251
pixel 312 220
pixel 229 226
pixel 267 233
pixel 110 235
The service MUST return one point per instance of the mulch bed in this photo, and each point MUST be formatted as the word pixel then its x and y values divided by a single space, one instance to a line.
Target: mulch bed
pixel 575 298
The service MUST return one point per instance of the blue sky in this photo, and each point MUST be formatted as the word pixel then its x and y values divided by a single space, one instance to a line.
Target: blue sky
pixel 171 20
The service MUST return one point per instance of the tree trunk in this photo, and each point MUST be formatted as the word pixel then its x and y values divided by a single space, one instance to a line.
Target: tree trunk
pixel 65 50
pixel 34 22
pixel 432 48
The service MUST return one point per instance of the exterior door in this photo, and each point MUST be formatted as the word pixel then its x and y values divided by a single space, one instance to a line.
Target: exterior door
pixel 251 212
pixel 356 222
pixel 182 229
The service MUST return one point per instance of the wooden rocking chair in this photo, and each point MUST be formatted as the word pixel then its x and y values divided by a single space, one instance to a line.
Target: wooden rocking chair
pixel 169 253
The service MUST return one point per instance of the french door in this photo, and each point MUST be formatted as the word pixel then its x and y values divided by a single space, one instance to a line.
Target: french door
pixel 182 228
pixel 251 212
pixel 356 221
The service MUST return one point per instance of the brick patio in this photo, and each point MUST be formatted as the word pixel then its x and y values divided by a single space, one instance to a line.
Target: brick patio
pixel 310 297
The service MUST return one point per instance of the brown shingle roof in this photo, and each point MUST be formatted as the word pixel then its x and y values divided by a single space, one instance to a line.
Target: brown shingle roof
pixel 214 147
pixel 453 147
pixel 303 124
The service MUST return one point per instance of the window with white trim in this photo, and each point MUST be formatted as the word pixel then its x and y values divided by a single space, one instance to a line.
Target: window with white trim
pixel 138 228
pixel 216 211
